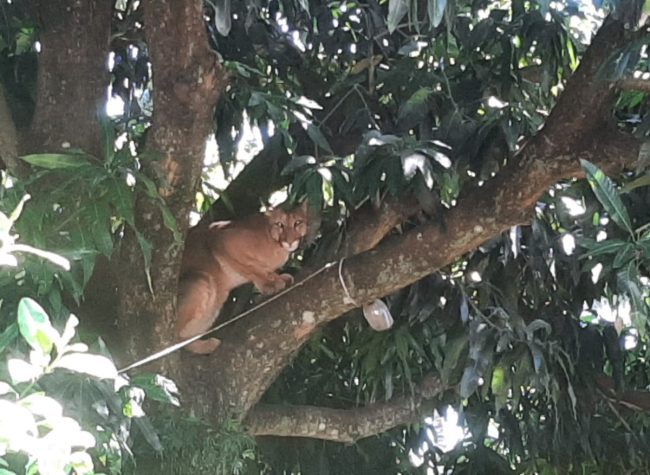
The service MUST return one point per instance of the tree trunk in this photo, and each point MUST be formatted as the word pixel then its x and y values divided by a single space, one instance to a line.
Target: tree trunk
pixel 187 83
pixel 72 76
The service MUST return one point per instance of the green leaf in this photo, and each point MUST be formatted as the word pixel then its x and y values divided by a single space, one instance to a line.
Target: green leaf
pixel 643 180
pixel 5 389
pixel 157 387
pixel 500 387
pixel 54 161
pixel 296 163
pixel 21 371
pixel 402 344
pixel 454 348
pixel 318 138
pixel 150 187
pixel 222 16
pixel 624 255
pixel 469 381
pixel 35 327
pixel 416 106
pixel 100 227
pixel 146 248
pixel 24 40
pixel 223 196
pixel 13 217
pixel 4 471
pixel 50 256
pixel 94 365
pixel 396 11
pixel 644 247
pixel 628 280
pixel 149 433
pixel 122 198
pixel 342 186
pixel 608 246
pixel 42 405
pixel 5 223
pixel 535 326
pixel 8 336
pixel 436 10
pixel 108 136
pixel 170 222
pixel 605 190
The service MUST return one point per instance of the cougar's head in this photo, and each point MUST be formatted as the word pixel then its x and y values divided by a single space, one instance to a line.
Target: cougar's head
pixel 288 227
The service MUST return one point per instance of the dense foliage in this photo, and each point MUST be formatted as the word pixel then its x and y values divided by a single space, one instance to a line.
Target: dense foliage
pixel 360 103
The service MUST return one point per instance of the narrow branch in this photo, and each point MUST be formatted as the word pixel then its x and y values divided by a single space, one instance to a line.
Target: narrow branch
pixel 342 425
pixel 634 84
pixel 631 399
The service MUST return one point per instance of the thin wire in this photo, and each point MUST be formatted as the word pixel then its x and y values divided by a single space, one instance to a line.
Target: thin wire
pixel 181 344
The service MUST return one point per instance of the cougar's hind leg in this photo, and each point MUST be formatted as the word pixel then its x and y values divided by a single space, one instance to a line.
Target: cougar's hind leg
pixel 198 308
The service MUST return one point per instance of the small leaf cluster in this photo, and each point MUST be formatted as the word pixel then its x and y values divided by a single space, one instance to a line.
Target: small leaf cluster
pixel 80 208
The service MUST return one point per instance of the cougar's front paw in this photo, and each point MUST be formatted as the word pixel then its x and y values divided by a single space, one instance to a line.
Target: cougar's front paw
pixel 204 347
pixel 288 279
pixel 278 283
pixel 271 287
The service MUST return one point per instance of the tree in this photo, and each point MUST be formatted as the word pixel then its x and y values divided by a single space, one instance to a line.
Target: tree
pixel 441 144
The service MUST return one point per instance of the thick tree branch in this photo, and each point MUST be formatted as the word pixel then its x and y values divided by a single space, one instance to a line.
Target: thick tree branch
pixel 587 98
pixel 342 425
pixel 256 349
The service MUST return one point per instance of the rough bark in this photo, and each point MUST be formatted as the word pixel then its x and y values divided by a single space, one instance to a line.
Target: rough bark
pixel 634 84
pixel 187 82
pixel 343 425
pixel 72 76
pixel 369 224
pixel 366 227
pixel 629 399
pixel 8 138
pixel 256 349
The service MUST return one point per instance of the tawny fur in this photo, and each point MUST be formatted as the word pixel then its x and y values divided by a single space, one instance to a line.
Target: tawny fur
pixel 226 254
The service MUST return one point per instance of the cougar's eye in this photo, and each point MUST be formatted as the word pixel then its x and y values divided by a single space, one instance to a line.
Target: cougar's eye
pixel 280 224
pixel 297 223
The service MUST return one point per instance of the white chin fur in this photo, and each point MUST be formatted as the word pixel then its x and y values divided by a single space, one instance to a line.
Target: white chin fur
pixel 290 247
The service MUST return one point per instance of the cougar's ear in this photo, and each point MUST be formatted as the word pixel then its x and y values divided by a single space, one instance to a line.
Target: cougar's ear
pixel 271 212
pixel 304 207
